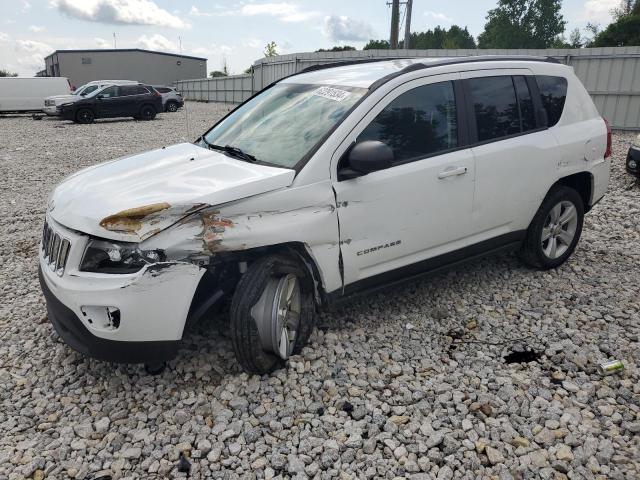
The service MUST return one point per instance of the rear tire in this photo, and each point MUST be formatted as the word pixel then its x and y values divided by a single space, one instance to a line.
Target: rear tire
pixel 555 230
pixel 147 112
pixel 85 116
pixel 172 106
pixel 254 290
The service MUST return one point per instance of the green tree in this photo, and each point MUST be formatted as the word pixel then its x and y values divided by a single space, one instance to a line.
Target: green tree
pixel 455 37
pixel 7 73
pixel 523 24
pixel 345 48
pixel 377 45
pixel 623 32
pixel 270 49
pixel 217 73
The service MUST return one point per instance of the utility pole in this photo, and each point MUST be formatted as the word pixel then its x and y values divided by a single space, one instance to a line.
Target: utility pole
pixel 407 25
pixel 115 46
pixel 395 23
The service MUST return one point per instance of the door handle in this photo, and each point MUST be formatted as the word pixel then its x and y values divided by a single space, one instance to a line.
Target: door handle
pixel 452 171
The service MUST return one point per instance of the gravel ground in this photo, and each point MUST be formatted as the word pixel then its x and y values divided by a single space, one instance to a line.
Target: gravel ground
pixel 407 384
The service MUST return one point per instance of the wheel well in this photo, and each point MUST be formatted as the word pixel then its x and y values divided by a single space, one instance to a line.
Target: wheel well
pixel 582 183
pixel 224 272
pixel 148 105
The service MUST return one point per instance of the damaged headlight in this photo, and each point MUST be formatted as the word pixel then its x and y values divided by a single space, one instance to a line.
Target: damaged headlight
pixel 102 256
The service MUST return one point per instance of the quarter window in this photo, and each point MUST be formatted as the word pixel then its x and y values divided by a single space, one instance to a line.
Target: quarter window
pixel 418 123
pixel 495 107
pixel 553 92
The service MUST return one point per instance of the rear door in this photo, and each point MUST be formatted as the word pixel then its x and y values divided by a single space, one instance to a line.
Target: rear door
pixel 516 156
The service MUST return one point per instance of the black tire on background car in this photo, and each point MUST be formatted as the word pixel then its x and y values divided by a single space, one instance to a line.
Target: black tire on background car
pixel 171 106
pixel 555 230
pixel 85 115
pixel 272 313
pixel 147 112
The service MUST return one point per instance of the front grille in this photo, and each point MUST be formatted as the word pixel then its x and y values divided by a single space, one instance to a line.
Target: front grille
pixel 49 103
pixel 55 249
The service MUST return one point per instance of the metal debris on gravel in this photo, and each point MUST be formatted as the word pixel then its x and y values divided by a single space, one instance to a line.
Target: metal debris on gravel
pixel 418 409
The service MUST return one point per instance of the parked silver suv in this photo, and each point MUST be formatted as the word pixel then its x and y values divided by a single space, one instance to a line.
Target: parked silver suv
pixel 171 99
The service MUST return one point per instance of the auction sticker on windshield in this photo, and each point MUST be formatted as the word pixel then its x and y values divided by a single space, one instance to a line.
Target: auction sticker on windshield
pixel 332 93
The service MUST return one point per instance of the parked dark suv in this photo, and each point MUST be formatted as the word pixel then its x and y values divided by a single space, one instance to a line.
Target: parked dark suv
pixel 138 101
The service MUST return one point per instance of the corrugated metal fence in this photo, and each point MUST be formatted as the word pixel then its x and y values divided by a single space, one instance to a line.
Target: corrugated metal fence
pixel 611 75
pixel 232 89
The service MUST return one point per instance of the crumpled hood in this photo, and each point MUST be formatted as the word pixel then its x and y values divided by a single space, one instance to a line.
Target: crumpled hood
pixel 132 198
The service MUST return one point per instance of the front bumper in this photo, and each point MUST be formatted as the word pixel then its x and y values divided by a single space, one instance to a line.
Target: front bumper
pixel 52 110
pixel 77 336
pixel 152 305
pixel 633 156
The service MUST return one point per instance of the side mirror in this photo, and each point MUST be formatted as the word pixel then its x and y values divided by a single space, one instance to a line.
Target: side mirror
pixel 366 157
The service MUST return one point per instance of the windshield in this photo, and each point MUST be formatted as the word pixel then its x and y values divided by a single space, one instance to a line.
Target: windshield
pixel 282 124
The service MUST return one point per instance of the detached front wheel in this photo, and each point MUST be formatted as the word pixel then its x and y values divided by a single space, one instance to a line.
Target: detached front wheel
pixel 272 313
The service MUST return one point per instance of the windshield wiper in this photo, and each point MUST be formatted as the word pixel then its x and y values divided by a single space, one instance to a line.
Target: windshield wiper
pixel 236 152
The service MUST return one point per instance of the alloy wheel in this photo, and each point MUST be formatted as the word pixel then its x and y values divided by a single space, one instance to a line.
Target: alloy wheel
pixel 559 229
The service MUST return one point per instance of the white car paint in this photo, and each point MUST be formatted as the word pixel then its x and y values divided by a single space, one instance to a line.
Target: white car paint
pixel 26 94
pixel 219 204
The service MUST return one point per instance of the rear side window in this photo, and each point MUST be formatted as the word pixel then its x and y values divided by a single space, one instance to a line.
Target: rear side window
pixel 418 123
pixel 553 92
pixel 126 90
pixel 163 89
pixel 495 107
pixel 141 90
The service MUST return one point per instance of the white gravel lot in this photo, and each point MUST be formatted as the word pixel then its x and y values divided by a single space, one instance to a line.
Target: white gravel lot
pixel 410 383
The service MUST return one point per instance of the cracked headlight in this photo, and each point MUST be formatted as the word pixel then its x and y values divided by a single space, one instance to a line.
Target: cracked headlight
pixel 101 256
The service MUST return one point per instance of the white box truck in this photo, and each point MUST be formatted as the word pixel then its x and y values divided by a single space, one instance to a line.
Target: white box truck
pixel 27 94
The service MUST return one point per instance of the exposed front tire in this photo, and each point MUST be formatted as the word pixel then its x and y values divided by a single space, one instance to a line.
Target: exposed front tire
pixel 85 115
pixel 147 112
pixel 555 230
pixel 272 313
pixel 172 106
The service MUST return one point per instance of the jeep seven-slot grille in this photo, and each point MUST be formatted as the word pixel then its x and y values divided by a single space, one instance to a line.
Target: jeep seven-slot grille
pixel 55 249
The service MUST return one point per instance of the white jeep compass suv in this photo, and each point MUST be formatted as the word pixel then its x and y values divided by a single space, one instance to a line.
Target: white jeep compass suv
pixel 326 183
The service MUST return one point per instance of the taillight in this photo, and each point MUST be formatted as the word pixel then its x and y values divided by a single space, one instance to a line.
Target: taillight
pixel 609 149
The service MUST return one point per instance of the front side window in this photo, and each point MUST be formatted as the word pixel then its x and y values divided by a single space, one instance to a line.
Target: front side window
pixel 283 124
pixel 88 90
pixel 418 123
pixel 108 92
pixel 553 92
pixel 495 107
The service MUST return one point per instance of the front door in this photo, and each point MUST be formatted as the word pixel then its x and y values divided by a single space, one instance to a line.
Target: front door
pixel 109 102
pixel 420 207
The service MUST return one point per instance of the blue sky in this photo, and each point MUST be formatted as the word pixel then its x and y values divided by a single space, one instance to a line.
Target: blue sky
pixel 229 30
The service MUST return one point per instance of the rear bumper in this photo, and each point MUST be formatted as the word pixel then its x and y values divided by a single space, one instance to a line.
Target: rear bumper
pixel 77 336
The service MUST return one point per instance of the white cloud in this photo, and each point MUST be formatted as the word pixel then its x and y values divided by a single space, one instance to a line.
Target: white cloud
pixel 26 6
pixel 195 11
pixel 338 28
pixel 286 12
pixel 599 10
pixel 253 43
pixel 4 37
pixel 132 12
pixel 438 16
pixel 212 51
pixel 102 43
pixel 157 42
pixel 37 28
pixel 30 54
